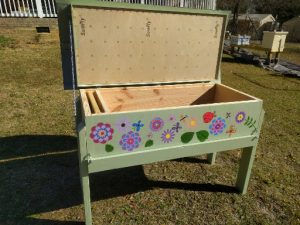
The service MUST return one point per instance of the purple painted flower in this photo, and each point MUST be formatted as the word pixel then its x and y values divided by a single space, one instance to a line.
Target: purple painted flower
pixel 168 136
pixel 130 141
pixel 240 117
pixel 177 127
pixel 217 126
pixel 123 125
pixel 101 133
pixel 156 124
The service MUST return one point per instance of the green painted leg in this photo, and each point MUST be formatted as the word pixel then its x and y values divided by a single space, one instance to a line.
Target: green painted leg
pixel 211 158
pixel 84 174
pixel 246 162
pixel 86 196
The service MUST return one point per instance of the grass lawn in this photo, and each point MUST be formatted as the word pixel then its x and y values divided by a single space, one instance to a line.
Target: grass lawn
pixel 39 181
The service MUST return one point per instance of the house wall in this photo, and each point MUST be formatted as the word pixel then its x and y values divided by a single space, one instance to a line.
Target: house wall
pixel 293 27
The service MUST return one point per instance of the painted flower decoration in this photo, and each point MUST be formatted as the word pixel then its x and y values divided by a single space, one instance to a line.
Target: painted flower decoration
pixel 123 125
pixel 168 136
pixel 172 118
pixel 137 126
pixel 156 124
pixel 208 116
pixel 101 133
pixel 130 141
pixel 217 126
pixel 240 117
pixel 177 127
pixel 191 122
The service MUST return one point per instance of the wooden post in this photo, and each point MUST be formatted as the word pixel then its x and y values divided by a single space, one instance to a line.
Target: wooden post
pixel 211 158
pixel 276 60
pixel 84 174
pixel 269 58
pixel 246 162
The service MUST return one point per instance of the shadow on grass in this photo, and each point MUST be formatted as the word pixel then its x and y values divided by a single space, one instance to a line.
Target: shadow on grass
pixel 264 86
pixel 191 160
pixel 237 60
pixel 39 173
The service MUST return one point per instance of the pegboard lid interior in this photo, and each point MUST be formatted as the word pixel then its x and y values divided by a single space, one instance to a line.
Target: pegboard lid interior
pixel 119 46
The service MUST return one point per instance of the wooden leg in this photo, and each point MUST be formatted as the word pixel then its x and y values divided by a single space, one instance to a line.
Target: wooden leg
pixel 269 59
pixel 86 194
pixel 276 57
pixel 246 162
pixel 211 158
pixel 84 174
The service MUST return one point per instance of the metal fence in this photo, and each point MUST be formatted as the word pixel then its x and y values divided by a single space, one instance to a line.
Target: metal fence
pixel 46 8
pixel 27 8
pixel 198 4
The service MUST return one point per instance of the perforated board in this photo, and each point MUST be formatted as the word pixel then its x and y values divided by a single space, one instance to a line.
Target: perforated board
pixel 123 46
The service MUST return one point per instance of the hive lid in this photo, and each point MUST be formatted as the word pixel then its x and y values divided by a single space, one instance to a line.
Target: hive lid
pixel 123 44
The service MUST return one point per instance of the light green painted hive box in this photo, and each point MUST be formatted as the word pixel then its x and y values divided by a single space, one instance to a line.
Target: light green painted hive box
pixel 150 87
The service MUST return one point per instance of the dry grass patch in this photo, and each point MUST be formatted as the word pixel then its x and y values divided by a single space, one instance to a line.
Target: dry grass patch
pixel 39 180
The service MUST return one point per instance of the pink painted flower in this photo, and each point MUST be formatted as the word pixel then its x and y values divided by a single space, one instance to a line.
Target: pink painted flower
pixel 217 126
pixel 101 133
pixel 130 141
pixel 156 124
pixel 172 118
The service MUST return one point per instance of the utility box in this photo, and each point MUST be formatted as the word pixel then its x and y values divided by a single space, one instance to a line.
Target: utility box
pixel 274 41
pixel 150 87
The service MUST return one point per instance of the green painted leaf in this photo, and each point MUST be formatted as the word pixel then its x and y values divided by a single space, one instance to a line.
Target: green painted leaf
pixel 149 143
pixel 187 137
pixel 109 148
pixel 202 135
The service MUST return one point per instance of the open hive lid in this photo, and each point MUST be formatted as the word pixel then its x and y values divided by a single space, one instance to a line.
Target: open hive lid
pixel 124 44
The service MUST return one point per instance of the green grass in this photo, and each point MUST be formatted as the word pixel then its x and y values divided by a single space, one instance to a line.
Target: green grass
pixel 6 41
pixel 39 182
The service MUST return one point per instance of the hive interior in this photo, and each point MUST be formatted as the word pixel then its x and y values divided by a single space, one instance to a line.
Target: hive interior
pixel 119 99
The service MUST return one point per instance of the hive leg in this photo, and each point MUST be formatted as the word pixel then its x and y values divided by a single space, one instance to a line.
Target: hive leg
pixel 246 162
pixel 86 195
pixel 211 158
pixel 84 174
